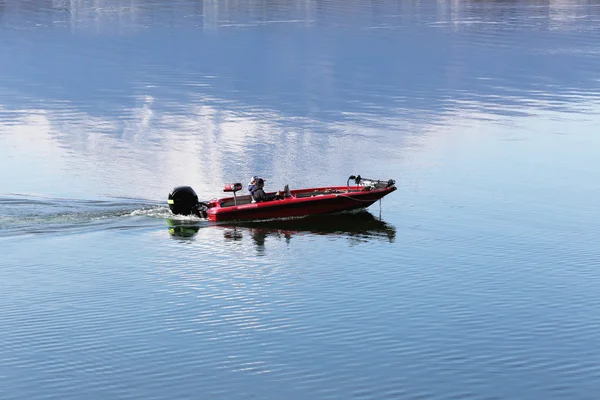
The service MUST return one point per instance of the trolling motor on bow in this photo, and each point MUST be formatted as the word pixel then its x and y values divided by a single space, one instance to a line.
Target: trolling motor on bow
pixel 370 184
pixel 184 201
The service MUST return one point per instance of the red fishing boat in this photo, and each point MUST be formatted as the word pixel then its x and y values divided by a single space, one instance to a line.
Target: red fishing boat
pixel 294 203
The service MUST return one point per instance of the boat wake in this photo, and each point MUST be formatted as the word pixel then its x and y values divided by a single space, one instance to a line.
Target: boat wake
pixel 28 215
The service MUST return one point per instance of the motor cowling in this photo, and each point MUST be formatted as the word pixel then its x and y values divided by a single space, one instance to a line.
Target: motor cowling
pixel 183 201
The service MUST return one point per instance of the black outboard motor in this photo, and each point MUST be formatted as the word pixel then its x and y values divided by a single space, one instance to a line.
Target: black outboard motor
pixel 184 201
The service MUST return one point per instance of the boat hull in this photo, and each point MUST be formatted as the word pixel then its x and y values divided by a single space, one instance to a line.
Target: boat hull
pixel 329 200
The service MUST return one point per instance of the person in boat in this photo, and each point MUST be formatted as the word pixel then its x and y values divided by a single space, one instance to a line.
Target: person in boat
pixel 259 195
pixel 252 185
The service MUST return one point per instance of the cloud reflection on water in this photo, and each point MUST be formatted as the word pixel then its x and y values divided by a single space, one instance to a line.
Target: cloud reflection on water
pixel 206 106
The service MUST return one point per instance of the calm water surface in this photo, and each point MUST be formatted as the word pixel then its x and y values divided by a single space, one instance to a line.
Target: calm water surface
pixel 477 279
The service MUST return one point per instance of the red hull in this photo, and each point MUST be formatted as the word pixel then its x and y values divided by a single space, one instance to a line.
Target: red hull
pixel 340 198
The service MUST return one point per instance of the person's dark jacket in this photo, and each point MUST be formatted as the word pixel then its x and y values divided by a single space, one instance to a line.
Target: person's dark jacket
pixel 259 195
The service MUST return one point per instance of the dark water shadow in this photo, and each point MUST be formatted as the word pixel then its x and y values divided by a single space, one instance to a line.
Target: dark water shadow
pixel 358 226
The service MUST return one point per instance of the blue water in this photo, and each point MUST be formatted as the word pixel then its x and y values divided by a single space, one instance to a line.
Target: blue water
pixel 476 279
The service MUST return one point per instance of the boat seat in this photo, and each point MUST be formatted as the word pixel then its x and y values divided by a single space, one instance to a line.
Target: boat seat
pixel 287 193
